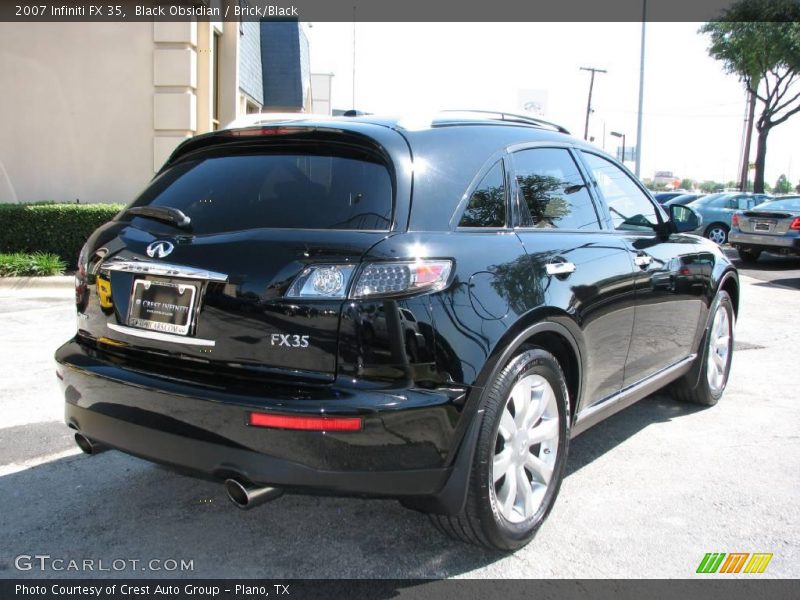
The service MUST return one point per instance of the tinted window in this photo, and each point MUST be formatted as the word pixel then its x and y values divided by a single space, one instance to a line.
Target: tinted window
pixel 553 193
pixel 630 208
pixel 487 205
pixel 724 201
pixel 227 193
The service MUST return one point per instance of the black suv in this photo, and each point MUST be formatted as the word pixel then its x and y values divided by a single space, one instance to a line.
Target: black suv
pixel 370 307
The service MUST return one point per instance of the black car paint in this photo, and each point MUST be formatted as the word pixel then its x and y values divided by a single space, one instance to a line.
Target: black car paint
pixel 613 324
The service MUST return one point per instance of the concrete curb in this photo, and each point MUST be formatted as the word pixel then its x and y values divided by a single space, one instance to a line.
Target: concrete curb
pixel 22 283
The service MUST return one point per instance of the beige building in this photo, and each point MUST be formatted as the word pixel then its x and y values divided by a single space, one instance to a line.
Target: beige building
pixel 90 111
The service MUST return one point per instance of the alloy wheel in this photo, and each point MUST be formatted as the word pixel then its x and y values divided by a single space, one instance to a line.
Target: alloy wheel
pixel 717 235
pixel 526 449
pixel 719 347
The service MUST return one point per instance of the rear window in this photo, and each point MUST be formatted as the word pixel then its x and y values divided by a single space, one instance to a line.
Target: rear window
pixel 287 191
pixel 783 204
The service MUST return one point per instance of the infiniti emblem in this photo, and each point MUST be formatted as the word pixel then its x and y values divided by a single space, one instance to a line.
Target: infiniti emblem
pixel 160 249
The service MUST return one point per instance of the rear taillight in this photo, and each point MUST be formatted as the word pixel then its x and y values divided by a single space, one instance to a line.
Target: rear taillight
pixel 372 280
pixel 80 275
pixel 305 423
pixel 795 223
pixel 389 279
pixel 735 220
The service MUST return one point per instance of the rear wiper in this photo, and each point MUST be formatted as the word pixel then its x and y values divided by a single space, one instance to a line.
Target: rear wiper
pixel 162 213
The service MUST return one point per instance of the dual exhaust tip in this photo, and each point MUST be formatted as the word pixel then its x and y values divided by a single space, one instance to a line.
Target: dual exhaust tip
pixel 243 495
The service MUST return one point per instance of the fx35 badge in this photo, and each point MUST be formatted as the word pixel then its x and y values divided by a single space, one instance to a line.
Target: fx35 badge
pixel 289 340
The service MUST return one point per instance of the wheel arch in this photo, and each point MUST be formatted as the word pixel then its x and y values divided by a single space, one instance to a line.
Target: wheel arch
pixel 553 331
pixel 729 283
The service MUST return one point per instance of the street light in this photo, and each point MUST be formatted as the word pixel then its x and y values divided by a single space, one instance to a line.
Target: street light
pixel 620 135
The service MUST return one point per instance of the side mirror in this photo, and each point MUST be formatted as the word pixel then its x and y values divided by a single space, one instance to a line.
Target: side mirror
pixel 683 218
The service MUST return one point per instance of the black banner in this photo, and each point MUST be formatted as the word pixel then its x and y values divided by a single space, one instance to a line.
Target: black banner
pixel 380 589
pixel 363 10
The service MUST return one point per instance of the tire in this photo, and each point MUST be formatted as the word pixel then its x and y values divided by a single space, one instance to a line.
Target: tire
pixel 706 383
pixel 717 233
pixel 498 513
pixel 748 255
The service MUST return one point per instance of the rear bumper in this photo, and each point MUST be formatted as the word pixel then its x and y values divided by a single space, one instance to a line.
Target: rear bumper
pixel 765 242
pixel 406 446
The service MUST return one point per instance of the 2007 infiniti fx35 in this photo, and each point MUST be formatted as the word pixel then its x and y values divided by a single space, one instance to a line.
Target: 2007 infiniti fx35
pixel 362 306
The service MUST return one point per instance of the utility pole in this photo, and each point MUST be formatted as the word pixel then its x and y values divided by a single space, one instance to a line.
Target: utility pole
pixel 748 135
pixel 638 167
pixel 589 101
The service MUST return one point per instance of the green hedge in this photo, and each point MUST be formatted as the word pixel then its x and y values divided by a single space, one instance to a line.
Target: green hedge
pixel 59 229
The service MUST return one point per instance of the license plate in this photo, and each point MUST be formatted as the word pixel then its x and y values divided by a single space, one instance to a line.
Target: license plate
pixel 162 306
pixel 761 227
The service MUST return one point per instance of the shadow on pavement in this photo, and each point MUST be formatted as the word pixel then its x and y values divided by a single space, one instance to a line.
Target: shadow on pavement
pixel 608 434
pixel 112 506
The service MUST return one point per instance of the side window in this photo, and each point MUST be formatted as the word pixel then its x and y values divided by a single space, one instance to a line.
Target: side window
pixel 552 191
pixel 630 208
pixel 487 205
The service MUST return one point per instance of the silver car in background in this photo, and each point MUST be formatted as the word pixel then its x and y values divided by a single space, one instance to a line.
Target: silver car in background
pixel 717 211
pixel 769 227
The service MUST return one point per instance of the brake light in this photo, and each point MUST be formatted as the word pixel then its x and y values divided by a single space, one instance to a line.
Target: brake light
pixel 795 223
pixel 266 131
pixel 305 423
pixel 80 274
pixel 735 220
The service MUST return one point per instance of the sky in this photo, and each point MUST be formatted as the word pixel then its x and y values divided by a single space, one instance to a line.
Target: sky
pixel 693 111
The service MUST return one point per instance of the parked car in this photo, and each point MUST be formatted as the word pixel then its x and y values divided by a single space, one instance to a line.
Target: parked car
pixel 769 227
pixel 683 199
pixel 717 210
pixel 426 312
pixel 662 197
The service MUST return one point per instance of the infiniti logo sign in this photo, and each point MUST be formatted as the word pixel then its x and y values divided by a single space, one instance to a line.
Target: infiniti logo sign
pixel 160 249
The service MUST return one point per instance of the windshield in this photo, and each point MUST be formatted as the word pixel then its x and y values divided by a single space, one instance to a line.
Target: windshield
pixel 291 191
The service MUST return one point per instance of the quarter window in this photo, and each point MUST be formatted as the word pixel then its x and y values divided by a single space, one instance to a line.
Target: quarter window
pixel 552 191
pixel 487 205
pixel 630 208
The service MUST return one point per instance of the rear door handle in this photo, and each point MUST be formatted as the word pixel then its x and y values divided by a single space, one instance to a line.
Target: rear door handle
pixel 642 261
pixel 560 268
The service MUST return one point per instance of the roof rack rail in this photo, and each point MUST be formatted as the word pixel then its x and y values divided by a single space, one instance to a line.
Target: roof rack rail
pixel 511 117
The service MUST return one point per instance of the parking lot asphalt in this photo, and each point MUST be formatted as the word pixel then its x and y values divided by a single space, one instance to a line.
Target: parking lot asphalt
pixel 647 494
pixel 783 271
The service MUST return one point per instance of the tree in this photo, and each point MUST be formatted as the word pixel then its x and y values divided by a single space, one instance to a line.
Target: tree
pixel 687 184
pixel 797 188
pixel 782 186
pixel 759 40
pixel 709 186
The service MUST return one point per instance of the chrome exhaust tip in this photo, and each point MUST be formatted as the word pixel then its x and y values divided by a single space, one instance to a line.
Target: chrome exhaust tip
pixel 88 446
pixel 247 496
